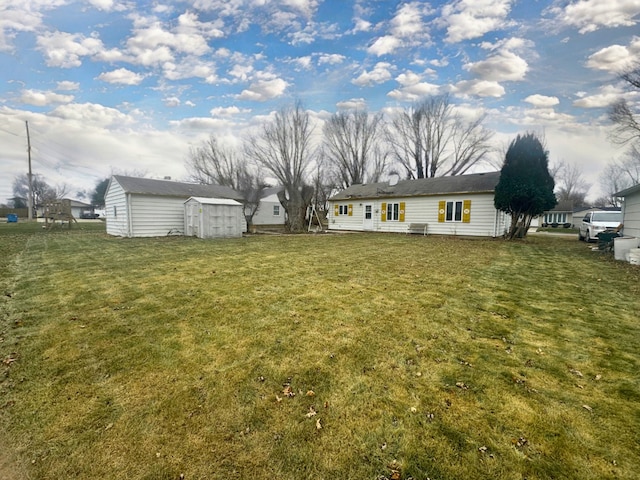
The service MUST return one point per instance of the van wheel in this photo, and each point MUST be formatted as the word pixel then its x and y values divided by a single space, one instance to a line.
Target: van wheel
pixel 587 238
pixel 580 237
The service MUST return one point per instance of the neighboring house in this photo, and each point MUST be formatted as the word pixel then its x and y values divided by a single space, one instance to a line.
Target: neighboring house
pixel 143 207
pixel 78 209
pixel 560 216
pixel 459 205
pixel 631 211
pixel 270 212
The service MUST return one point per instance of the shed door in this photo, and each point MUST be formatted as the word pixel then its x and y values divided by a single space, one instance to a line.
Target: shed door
pixel 193 219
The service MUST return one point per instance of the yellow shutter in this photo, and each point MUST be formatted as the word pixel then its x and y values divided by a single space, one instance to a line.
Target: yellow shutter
pixel 401 216
pixel 466 211
pixel 336 210
pixel 350 209
pixel 384 212
pixel 442 205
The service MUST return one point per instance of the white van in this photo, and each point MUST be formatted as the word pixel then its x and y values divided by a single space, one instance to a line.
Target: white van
pixel 595 222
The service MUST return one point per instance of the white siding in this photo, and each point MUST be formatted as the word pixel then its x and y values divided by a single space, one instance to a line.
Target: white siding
pixel 116 211
pixel 631 215
pixel 485 219
pixel 264 215
pixel 155 216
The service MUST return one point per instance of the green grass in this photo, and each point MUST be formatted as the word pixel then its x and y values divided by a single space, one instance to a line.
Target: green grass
pixel 444 358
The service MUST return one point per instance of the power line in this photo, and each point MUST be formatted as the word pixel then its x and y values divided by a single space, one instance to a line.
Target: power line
pixel 10 133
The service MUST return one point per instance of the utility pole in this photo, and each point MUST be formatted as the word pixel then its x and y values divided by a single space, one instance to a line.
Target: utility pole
pixel 30 202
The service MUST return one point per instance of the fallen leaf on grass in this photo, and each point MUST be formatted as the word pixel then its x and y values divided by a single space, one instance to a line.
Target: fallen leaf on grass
pixel 9 360
pixel 288 391
pixel 597 377
pixel 318 424
pixel 312 412
pixel 577 373
pixel 482 449
pixel 310 393
pixel 587 408
pixel 462 385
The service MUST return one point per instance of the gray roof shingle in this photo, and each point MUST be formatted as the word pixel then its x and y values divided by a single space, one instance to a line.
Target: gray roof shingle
pixel 473 183
pixel 168 188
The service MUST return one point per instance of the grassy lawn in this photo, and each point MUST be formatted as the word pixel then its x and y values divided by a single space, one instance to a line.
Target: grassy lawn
pixel 316 357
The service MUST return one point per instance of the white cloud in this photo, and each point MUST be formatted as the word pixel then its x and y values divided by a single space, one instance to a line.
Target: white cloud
pixel 68 86
pixel 407 28
pixel 591 15
pixel 200 123
pixel 381 73
pixel 352 104
pixel 467 19
pixel 92 114
pixel 42 98
pixel 190 67
pixel 65 50
pixel 330 59
pixel 384 45
pixel 412 87
pixel 264 89
pixel 503 66
pixel 480 88
pixel 171 102
pixel 19 17
pixel 607 95
pixel 615 58
pixel 542 101
pixel 121 76
pixel 227 111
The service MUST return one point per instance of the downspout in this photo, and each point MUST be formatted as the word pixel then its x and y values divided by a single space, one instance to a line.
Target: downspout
pixel 129 222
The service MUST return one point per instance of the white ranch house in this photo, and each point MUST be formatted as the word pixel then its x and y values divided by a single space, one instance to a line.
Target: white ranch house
pixel 458 205
pixel 143 207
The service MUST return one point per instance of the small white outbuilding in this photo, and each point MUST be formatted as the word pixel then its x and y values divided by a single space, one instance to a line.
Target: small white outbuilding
pixel 213 218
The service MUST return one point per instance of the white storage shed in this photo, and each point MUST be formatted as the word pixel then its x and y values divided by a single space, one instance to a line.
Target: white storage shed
pixel 213 218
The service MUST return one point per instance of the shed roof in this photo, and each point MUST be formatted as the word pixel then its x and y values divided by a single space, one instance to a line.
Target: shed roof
pixel 473 183
pixel 215 201
pixel 168 188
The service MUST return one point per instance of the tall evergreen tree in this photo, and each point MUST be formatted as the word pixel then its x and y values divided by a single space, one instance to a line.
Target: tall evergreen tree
pixel 525 188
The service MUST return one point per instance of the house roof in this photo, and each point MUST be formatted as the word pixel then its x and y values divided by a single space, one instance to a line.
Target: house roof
pixel 168 188
pixel 473 183
pixel 564 206
pixel 215 201
pixel 628 191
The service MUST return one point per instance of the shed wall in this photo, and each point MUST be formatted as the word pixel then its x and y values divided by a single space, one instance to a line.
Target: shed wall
pixel 631 212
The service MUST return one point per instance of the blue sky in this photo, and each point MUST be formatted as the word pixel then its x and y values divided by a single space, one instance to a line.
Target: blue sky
pixel 129 86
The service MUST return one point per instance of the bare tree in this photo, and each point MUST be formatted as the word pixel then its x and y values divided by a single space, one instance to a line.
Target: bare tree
pixel 214 163
pixel 429 139
pixel 621 174
pixel 283 148
pixel 570 184
pixel 626 128
pixel 42 191
pixel 352 147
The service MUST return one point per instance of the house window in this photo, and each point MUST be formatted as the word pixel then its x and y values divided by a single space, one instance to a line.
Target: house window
pixel 343 210
pixel 453 212
pixel 393 212
pixel 276 210
pixel 115 211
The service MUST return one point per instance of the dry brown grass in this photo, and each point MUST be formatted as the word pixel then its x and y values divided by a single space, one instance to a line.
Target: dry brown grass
pixel 433 357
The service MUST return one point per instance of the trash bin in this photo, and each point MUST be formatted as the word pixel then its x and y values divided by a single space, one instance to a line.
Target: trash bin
pixel 12 218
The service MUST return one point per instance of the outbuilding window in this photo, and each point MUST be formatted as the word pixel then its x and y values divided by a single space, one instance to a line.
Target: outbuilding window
pixel 276 210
